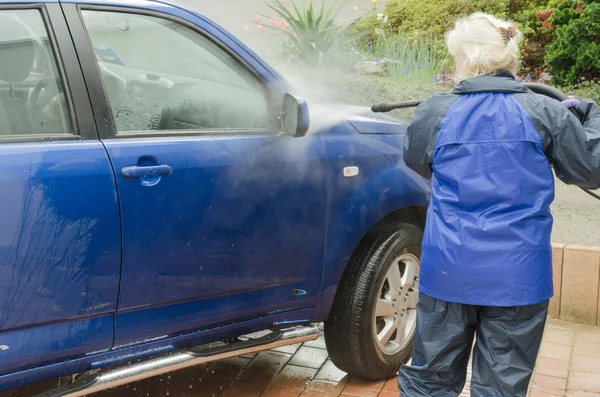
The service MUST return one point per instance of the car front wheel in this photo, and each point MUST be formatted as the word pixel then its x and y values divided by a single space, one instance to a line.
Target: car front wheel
pixel 371 328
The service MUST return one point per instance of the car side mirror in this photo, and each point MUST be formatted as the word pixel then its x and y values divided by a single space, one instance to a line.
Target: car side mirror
pixel 295 115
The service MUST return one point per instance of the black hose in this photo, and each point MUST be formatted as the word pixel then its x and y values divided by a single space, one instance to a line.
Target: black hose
pixel 594 195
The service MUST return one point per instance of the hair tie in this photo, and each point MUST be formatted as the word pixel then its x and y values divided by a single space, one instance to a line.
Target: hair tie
pixel 508 34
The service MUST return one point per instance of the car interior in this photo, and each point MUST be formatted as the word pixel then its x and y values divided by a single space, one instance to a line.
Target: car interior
pixel 160 75
pixel 31 92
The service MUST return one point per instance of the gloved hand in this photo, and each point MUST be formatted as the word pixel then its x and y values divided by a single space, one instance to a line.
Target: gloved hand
pixel 571 103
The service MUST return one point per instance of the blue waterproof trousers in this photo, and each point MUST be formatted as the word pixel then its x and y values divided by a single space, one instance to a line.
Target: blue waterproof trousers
pixel 506 348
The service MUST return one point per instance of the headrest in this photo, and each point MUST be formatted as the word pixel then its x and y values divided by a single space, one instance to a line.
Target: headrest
pixel 17 50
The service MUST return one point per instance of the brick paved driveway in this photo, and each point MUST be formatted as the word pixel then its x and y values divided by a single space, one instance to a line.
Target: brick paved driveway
pixel 569 365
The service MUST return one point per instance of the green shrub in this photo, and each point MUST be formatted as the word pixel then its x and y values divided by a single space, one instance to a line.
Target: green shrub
pixel 532 18
pixel 314 38
pixel 575 54
pixel 437 16
pixel 431 16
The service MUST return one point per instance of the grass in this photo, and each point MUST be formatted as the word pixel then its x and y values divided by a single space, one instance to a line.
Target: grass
pixel 413 60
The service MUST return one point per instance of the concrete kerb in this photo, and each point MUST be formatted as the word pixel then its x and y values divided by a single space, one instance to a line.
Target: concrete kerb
pixel 576 271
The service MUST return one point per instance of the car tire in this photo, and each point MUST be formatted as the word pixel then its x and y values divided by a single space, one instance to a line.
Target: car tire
pixel 371 301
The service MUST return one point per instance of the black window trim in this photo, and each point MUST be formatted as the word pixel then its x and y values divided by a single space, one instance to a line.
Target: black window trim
pixel 51 16
pixel 105 120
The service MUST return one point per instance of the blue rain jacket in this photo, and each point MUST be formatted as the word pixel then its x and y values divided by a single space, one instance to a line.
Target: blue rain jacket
pixel 488 148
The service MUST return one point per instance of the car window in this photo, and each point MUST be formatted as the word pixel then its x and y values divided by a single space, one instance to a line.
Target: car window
pixel 161 75
pixel 32 97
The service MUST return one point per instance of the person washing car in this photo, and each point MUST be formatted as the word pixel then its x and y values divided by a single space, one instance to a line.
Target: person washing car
pixel 486 268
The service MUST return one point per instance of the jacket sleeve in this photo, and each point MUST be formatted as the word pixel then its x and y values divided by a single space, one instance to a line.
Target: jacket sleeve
pixel 575 146
pixel 422 132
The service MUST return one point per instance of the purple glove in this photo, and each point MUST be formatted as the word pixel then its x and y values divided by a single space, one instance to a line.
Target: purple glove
pixel 571 103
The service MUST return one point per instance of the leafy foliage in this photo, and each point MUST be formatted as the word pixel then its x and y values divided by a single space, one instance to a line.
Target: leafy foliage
pixel 314 36
pixel 575 55
pixel 434 17
pixel 532 18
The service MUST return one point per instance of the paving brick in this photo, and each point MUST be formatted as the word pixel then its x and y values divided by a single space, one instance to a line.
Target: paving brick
pixel 243 389
pixel 291 349
pixel 331 373
pixel 295 377
pixel 558 352
pixel 229 368
pixel 579 295
pixel 581 381
pixel 269 361
pixel 252 376
pixel 361 388
pixel 548 384
pixel 309 357
pixel 552 367
pixel 586 364
pixel 322 388
pixel 387 393
pixel 589 335
pixel 558 336
pixel 282 393
pixel 557 269
pixel 587 349
pixel 391 384
pixel 319 343
pixel 579 393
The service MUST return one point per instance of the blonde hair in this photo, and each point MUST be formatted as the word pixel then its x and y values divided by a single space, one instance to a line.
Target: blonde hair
pixel 482 44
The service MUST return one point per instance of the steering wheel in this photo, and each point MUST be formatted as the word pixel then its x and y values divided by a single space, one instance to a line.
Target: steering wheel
pixel 557 94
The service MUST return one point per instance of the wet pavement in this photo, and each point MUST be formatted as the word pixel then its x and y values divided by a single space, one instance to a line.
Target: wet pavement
pixel 568 365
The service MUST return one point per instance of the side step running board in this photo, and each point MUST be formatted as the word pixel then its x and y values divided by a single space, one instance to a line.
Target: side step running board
pixel 99 381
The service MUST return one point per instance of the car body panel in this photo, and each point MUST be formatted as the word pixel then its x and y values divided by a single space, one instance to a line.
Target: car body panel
pixel 383 185
pixel 229 235
pixel 60 253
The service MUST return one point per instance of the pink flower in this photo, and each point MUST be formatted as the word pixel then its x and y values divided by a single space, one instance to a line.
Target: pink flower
pixel 261 28
pixel 273 22
pixel 258 18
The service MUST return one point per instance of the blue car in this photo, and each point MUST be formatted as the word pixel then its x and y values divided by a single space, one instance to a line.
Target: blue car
pixel 164 194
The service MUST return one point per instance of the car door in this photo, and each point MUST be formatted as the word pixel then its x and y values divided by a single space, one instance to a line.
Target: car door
pixel 223 214
pixel 59 216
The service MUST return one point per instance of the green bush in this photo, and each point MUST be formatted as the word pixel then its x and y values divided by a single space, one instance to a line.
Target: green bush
pixel 532 18
pixel 575 54
pixel 314 38
pixel 435 17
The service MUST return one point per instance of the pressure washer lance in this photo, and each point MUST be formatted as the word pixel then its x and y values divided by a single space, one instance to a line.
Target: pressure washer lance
pixel 389 106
